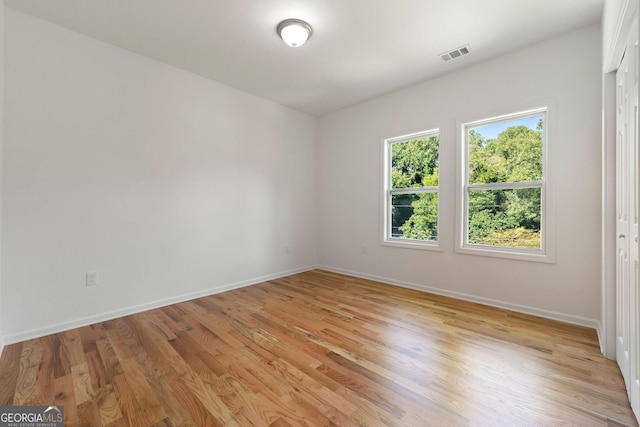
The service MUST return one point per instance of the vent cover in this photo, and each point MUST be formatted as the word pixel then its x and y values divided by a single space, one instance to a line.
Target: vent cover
pixel 455 53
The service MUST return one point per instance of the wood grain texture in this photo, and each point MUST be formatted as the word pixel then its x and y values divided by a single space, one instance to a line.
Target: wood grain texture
pixel 320 349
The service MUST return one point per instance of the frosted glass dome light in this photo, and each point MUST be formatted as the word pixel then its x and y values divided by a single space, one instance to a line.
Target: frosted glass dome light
pixel 294 32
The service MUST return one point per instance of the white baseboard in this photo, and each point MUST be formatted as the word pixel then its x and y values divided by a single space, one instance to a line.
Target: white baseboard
pixel 64 326
pixel 547 314
pixel 601 341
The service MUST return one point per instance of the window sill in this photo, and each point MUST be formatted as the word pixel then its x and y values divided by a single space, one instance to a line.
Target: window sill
pixel 412 244
pixel 508 253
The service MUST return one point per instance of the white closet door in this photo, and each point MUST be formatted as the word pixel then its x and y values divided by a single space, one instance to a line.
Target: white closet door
pixel 623 181
pixel 634 200
pixel 627 212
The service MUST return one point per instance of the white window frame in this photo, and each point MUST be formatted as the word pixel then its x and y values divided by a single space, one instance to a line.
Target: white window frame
pixel 387 238
pixel 546 253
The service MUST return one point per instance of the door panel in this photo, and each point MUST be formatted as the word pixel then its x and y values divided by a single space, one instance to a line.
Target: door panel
pixel 634 306
pixel 623 182
pixel 627 213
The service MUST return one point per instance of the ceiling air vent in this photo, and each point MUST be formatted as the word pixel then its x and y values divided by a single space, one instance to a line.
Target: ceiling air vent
pixel 455 53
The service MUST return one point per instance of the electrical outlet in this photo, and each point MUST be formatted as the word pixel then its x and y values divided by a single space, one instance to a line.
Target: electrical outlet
pixel 365 249
pixel 92 278
pixel 287 249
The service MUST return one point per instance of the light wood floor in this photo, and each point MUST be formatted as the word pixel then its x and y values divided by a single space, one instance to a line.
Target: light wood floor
pixel 319 349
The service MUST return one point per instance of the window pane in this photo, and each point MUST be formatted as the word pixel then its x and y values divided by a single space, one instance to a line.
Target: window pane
pixel 415 216
pixel 415 163
pixel 506 151
pixel 509 218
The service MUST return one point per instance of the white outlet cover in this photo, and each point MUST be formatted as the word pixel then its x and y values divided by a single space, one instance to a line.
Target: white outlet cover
pixel 92 278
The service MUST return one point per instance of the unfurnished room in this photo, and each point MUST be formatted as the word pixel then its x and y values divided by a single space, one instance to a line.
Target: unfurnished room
pixel 319 213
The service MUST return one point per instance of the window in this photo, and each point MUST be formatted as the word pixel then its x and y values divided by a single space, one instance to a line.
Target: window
pixel 504 187
pixel 411 190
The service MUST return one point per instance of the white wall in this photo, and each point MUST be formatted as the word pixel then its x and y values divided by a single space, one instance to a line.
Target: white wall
pixel 167 184
pixel 1 149
pixel 566 69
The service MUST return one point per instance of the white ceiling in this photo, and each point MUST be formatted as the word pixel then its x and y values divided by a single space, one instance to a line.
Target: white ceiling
pixel 360 49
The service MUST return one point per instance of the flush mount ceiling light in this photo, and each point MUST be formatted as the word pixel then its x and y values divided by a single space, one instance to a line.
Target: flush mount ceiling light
pixel 294 32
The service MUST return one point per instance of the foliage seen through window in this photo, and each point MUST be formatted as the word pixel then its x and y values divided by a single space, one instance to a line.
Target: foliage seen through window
pixel 414 188
pixel 504 189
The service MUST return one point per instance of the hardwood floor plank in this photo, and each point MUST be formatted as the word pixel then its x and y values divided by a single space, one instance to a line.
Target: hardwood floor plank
pixel 110 361
pixel 156 369
pixel 107 404
pixel 65 397
pixel 44 372
pixel 157 319
pixel 187 399
pixel 330 404
pixel 279 423
pixel 88 414
pixel 9 370
pixel 315 349
pixel 117 344
pixel 89 336
pixel 82 388
pixel 146 400
pixel 26 383
pixel 364 387
pixel 210 401
pixel 96 366
pixel 72 344
pixel 127 402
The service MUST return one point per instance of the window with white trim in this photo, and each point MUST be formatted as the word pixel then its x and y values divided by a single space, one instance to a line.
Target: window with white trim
pixel 411 190
pixel 505 186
